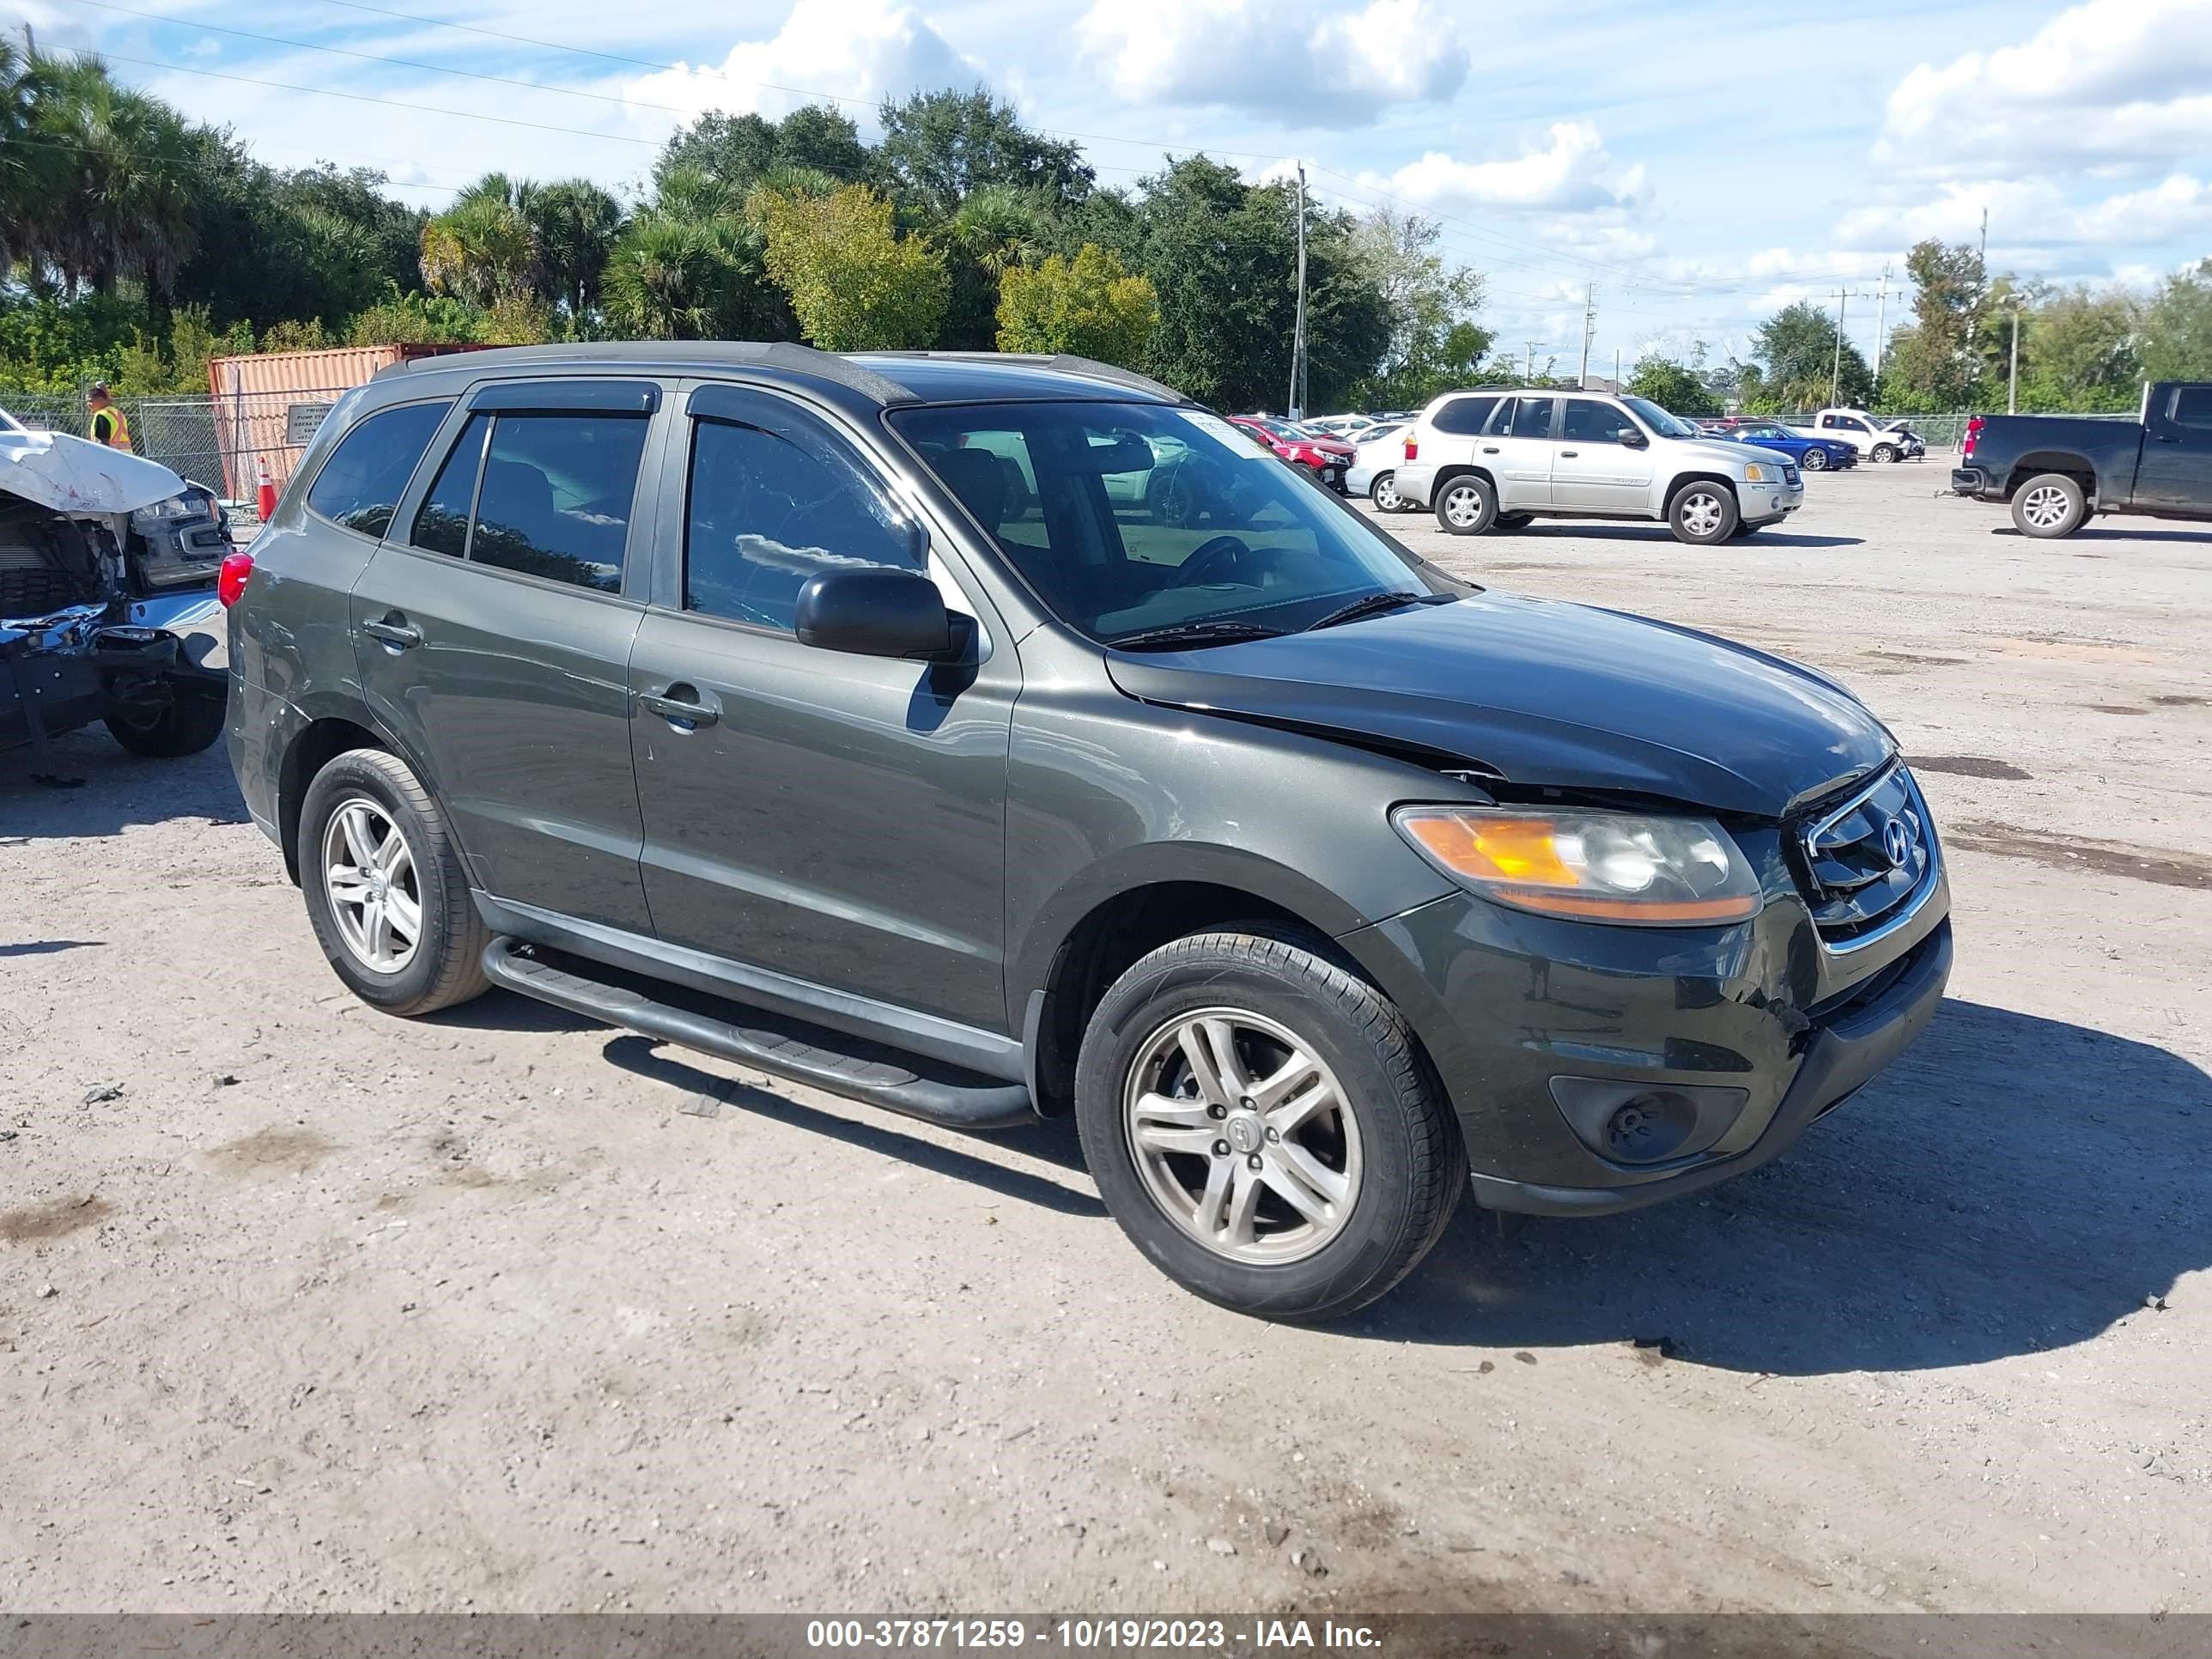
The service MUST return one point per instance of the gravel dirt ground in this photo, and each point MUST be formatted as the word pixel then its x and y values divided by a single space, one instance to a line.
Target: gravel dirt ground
pixel 302 1308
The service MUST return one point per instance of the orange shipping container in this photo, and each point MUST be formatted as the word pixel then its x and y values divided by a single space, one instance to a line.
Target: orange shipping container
pixel 268 404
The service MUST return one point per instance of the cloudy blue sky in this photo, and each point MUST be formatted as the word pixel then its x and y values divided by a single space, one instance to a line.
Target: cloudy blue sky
pixel 1696 165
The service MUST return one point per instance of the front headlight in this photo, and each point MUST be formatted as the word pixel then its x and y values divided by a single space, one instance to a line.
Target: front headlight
pixel 186 506
pixel 1754 473
pixel 1590 864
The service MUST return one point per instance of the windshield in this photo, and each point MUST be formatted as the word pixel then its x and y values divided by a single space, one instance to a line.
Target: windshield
pixel 1666 425
pixel 1130 518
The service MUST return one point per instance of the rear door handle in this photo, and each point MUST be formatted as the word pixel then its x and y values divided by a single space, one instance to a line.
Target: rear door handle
pixel 681 705
pixel 1490 449
pixel 1569 454
pixel 395 631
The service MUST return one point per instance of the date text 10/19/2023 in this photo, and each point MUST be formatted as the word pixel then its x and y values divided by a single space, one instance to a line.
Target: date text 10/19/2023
pixel 1088 1635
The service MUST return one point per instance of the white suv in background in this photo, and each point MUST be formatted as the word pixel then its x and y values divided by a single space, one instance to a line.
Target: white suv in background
pixel 1863 432
pixel 1497 460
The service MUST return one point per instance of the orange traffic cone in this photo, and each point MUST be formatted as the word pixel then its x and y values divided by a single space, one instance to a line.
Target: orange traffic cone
pixel 267 494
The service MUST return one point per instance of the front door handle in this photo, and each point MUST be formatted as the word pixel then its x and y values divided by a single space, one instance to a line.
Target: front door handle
pixel 395 631
pixel 1490 449
pixel 2164 438
pixel 1569 454
pixel 680 706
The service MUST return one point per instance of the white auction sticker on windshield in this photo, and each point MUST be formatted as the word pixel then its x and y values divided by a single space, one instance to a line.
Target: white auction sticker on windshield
pixel 1238 442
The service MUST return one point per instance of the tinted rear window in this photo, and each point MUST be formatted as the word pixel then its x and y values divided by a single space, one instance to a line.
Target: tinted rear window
pixel 361 484
pixel 1464 416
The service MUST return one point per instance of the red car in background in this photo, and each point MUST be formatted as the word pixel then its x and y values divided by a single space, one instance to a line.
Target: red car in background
pixel 1327 458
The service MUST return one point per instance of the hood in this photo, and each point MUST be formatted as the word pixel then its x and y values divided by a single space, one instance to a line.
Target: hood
pixel 1710 451
pixel 1546 694
pixel 75 475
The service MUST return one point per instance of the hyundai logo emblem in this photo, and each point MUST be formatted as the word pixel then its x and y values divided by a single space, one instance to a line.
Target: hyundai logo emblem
pixel 1896 842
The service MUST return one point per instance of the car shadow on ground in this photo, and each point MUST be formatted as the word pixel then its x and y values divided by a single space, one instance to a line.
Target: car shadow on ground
pixel 2011 1185
pixel 1579 529
pixel 2115 535
pixel 114 790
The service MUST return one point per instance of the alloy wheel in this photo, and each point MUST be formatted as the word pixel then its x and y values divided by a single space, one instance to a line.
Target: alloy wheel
pixel 1384 494
pixel 1463 505
pixel 1242 1136
pixel 369 877
pixel 2046 506
pixel 1816 460
pixel 1702 511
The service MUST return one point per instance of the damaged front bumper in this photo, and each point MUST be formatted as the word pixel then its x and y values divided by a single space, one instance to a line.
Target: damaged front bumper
pixel 90 662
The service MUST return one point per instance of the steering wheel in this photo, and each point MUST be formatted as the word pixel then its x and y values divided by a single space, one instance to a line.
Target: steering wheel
pixel 1228 552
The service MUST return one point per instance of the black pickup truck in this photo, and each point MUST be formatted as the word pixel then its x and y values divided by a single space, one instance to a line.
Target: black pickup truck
pixel 2057 469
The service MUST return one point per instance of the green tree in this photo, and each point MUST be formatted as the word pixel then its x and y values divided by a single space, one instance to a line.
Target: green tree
pixel 1089 306
pixel 1797 355
pixel 484 248
pixel 1435 343
pixel 1222 257
pixel 691 266
pixel 1931 363
pixel 991 232
pixel 853 284
pixel 575 223
pixel 739 151
pixel 2080 350
pixel 1675 387
pixel 939 148
pixel 2177 328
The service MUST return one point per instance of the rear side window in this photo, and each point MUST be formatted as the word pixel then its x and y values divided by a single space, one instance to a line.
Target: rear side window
pixel 542 495
pixel 769 509
pixel 1464 416
pixel 360 486
pixel 1532 418
pixel 441 523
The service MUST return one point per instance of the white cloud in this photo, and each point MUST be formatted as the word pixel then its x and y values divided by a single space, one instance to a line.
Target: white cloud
pixel 1302 61
pixel 857 49
pixel 2037 214
pixel 1572 172
pixel 2108 82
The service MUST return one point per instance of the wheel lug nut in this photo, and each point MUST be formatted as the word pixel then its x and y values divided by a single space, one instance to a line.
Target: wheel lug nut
pixel 1253 1161
pixel 1217 1110
pixel 1246 1102
pixel 1274 1134
pixel 1221 1149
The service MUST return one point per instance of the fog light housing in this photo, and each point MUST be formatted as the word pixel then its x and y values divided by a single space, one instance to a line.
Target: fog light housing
pixel 1637 1124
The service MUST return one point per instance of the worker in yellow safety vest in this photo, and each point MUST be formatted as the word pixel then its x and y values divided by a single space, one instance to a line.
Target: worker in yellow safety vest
pixel 109 426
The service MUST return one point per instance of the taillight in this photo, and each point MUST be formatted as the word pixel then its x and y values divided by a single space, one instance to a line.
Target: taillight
pixel 230 577
pixel 1973 436
pixel 1412 449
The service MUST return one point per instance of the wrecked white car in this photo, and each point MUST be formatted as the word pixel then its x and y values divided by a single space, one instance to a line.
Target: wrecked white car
pixel 109 566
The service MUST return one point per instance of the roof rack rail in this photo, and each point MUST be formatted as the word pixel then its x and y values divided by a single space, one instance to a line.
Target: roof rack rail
pixel 773 353
pixel 1059 362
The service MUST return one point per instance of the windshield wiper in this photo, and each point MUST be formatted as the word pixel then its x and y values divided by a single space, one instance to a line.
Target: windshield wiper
pixel 1373 604
pixel 1193 633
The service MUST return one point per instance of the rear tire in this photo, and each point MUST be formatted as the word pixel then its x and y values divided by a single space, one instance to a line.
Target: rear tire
pixel 1308 1215
pixel 1466 505
pixel 186 724
pixel 1383 492
pixel 376 860
pixel 1703 513
pixel 1513 521
pixel 2049 506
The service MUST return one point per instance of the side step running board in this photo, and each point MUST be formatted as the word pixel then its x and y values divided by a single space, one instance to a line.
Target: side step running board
pixel 774 1047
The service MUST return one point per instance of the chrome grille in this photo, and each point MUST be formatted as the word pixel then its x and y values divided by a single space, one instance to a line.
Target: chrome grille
pixel 1868 858
pixel 1788 473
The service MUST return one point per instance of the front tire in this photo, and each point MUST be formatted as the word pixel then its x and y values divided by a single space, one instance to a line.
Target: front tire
pixel 2049 506
pixel 1703 513
pixel 1263 1127
pixel 1816 460
pixel 386 887
pixel 184 725
pixel 1466 505
pixel 1383 492
pixel 1885 452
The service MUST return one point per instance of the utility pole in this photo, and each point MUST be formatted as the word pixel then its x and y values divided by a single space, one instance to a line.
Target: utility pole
pixel 1835 373
pixel 1528 378
pixel 1881 321
pixel 1616 371
pixel 1590 327
pixel 30 40
pixel 2012 374
pixel 1299 329
pixel 1984 256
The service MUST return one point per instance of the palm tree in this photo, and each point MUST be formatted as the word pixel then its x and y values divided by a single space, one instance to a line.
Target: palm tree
pixel 690 266
pixel 484 249
pixel 576 223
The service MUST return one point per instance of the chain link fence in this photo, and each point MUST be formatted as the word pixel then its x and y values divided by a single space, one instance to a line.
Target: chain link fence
pixel 221 442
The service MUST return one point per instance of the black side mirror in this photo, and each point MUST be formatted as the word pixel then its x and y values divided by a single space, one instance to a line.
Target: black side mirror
pixel 1631 437
pixel 874 612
